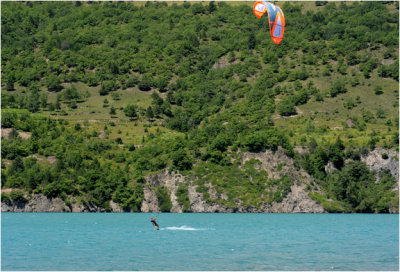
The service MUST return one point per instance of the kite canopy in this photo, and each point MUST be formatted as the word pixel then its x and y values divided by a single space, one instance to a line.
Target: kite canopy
pixel 275 17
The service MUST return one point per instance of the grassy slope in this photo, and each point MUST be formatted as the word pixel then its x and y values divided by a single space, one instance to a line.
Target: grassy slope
pixel 332 114
pixel 328 117
pixel 329 113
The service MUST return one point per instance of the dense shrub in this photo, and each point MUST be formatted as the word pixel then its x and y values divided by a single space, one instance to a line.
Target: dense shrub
pixel 182 195
pixel 164 201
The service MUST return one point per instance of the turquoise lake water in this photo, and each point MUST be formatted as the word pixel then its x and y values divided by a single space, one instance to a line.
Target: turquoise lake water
pixel 65 241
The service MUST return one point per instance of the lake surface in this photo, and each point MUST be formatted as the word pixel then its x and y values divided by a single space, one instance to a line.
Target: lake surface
pixel 66 241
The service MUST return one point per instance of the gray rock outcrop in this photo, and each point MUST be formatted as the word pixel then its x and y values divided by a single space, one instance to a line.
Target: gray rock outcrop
pixel 297 201
pixel 171 181
pixel 375 161
pixel 150 202
pixel 277 164
pixel 40 203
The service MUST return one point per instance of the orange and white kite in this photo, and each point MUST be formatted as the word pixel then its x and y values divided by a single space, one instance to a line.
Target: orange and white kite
pixel 275 17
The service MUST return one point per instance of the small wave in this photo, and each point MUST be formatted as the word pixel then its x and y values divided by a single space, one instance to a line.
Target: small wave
pixel 181 228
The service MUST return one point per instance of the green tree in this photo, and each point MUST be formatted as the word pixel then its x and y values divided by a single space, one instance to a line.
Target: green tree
pixel 157 100
pixel 161 84
pixel 53 83
pixel 338 87
pixel 17 165
pixel 108 86
pixel 73 105
pixel 43 101
pixel 146 83
pixel 132 81
pixel 336 154
pixel 182 195
pixel 286 107
pixel 149 113
pixel 181 160
pixel 10 84
pixel 212 7
pixel 251 43
pixel 378 90
pixel 112 110
pixel 164 200
pixel 130 198
pixel 130 111
pixel 8 119
pixel 13 134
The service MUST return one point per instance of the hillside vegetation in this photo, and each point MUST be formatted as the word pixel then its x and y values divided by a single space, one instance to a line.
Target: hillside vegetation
pixel 110 92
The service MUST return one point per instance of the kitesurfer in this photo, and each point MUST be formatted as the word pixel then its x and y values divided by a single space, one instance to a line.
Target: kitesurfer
pixel 153 220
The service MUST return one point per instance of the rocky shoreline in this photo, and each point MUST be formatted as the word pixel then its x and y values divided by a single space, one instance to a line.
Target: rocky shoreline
pixel 296 201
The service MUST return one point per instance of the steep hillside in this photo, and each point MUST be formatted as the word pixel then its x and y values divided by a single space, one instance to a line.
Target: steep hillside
pixel 103 102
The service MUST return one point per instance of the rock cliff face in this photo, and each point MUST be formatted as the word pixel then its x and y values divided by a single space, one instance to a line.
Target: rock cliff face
pixel 164 178
pixel 150 202
pixel 297 201
pixel 277 164
pixel 382 159
pixel 40 203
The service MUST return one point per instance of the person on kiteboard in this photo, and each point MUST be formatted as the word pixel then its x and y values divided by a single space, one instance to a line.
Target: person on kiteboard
pixel 153 220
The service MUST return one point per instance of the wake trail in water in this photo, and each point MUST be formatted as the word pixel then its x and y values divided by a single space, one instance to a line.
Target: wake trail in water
pixel 185 228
